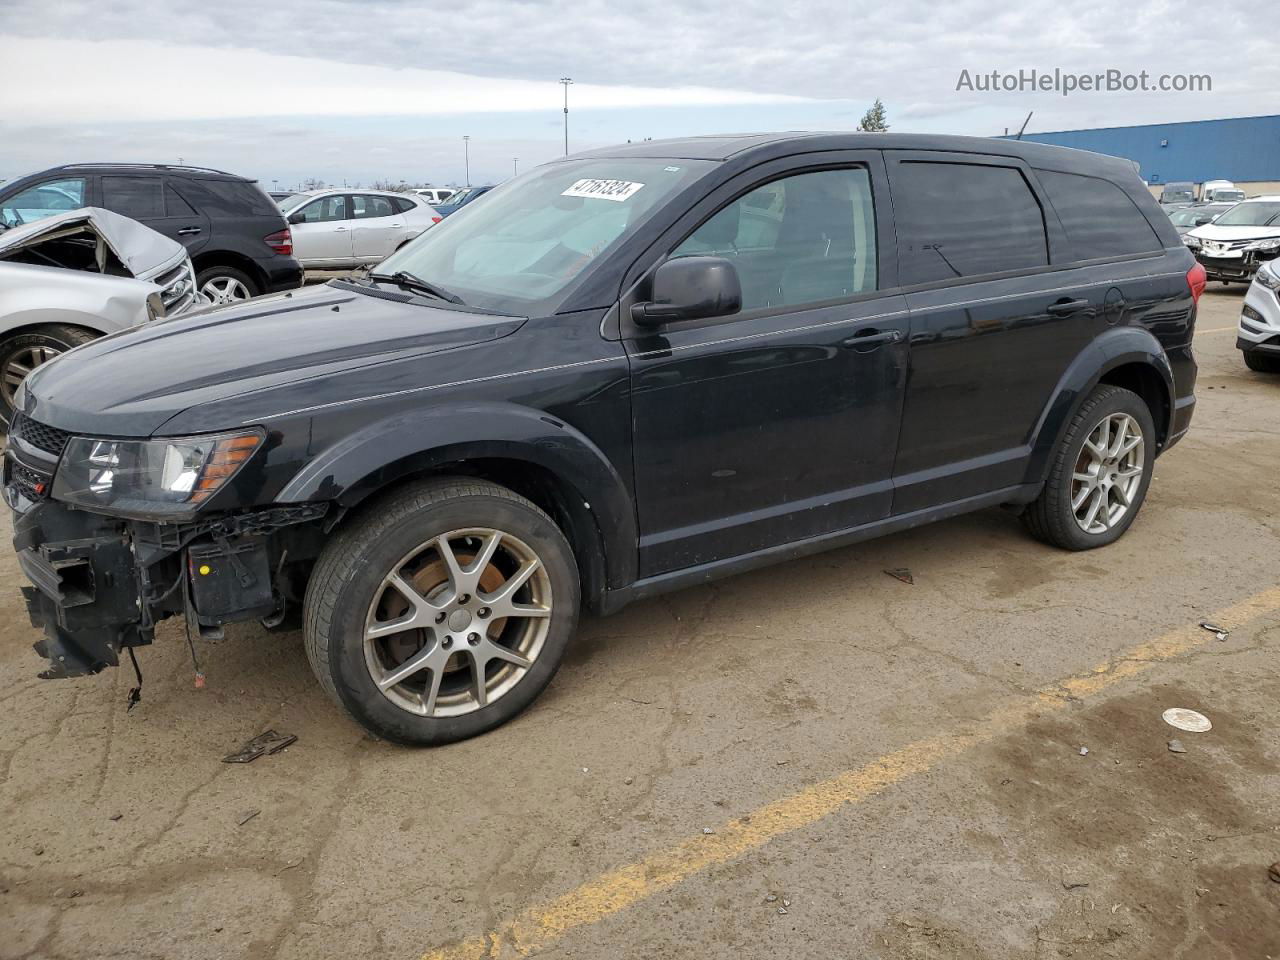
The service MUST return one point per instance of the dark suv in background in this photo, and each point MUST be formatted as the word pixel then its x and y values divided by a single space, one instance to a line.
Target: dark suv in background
pixel 622 373
pixel 237 237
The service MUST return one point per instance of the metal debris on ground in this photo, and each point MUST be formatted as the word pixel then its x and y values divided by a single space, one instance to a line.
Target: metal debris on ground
pixel 1188 720
pixel 1273 871
pixel 115 816
pixel 901 573
pixel 629 781
pixel 1175 746
pixel 1084 751
pixel 707 831
pixel 771 898
pixel 782 911
pixel 267 742
pixel 246 817
pixel 1074 884
pixel 1220 632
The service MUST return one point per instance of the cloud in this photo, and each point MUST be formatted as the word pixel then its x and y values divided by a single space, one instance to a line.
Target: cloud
pixel 132 80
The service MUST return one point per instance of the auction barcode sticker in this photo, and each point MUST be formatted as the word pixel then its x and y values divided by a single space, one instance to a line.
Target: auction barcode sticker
pixel 618 190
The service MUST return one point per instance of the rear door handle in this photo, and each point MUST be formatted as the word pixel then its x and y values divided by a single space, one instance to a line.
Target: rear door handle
pixel 339 229
pixel 188 231
pixel 1063 307
pixel 869 340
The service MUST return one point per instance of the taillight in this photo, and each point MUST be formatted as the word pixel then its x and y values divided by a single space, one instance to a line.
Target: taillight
pixel 1196 280
pixel 436 219
pixel 281 242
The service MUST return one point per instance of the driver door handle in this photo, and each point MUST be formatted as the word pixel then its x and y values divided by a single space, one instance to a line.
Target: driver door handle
pixel 1064 307
pixel 188 231
pixel 870 339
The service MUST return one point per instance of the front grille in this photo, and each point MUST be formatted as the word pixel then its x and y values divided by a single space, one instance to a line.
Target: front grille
pixel 42 437
pixel 30 483
pixel 177 288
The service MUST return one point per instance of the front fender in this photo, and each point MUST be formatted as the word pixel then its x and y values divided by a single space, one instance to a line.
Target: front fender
pixel 1110 350
pixel 414 441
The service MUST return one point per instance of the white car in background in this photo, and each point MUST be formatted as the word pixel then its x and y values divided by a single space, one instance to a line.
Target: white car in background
pixel 353 228
pixel 435 195
pixel 1258 336
pixel 1238 241
pixel 74 275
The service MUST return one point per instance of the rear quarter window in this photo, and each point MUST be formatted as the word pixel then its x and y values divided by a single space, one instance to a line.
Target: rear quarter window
pixel 230 198
pixel 1100 218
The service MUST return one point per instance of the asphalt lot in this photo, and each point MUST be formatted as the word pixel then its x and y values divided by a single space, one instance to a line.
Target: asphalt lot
pixel 885 770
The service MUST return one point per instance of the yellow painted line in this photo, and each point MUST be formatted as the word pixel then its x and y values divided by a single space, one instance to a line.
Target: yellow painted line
pixel 539 927
pixel 1217 330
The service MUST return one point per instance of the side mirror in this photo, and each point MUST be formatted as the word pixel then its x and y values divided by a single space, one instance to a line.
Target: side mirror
pixel 690 288
pixel 1201 221
pixel 297 217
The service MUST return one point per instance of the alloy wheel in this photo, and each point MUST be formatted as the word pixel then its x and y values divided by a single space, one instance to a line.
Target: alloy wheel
pixel 19 365
pixel 221 290
pixel 458 622
pixel 1108 473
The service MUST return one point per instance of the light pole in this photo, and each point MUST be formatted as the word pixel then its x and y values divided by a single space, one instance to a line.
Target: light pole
pixel 515 166
pixel 566 81
pixel 466 157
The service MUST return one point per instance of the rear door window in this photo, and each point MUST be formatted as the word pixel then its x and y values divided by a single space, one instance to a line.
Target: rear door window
pixel 365 207
pixel 233 198
pixel 965 219
pixel 1100 218
pixel 141 198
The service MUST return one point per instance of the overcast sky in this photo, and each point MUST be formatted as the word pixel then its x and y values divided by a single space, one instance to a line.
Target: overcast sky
pixel 358 90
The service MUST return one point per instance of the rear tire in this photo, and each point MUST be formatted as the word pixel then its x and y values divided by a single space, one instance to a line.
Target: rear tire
pixel 1260 362
pixel 222 285
pixel 1095 487
pixel 474 657
pixel 21 354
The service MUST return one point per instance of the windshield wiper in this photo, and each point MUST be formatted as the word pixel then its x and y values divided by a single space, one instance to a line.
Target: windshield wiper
pixel 409 281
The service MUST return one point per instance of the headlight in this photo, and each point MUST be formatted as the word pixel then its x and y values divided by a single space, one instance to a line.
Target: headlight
pixel 1192 242
pixel 149 477
pixel 1269 244
pixel 1267 277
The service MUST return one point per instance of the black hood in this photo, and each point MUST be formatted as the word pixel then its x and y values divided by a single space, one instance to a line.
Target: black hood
pixel 130 383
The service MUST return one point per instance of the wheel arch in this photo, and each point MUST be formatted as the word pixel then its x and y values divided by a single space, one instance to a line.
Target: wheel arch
pixel 230 258
pixel 1128 357
pixel 534 454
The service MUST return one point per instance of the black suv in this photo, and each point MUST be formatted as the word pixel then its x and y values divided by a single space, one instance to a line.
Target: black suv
pixel 237 237
pixel 623 373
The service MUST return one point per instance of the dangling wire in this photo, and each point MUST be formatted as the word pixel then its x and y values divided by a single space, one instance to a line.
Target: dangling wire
pixel 135 694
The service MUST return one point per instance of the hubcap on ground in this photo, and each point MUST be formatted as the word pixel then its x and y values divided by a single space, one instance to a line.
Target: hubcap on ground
pixel 224 290
pixel 457 622
pixel 21 363
pixel 1108 473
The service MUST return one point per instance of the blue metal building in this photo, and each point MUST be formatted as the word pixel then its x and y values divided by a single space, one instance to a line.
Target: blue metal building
pixel 1241 149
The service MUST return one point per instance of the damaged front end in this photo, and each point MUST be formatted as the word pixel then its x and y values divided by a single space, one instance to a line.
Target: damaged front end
pixel 101 582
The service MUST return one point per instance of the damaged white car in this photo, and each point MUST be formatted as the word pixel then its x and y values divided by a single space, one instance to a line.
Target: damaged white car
pixel 74 276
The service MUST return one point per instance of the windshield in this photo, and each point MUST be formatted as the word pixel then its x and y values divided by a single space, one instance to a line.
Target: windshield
pixel 295 201
pixel 454 199
pixel 1176 194
pixel 1228 194
pixel 536 234
pixel 1187 216
pixel 1253 213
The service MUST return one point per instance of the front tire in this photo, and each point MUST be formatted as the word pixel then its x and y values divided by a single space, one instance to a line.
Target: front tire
pixel 441 611
pixel 21 354
pixel 1260 362
pixel 1098 477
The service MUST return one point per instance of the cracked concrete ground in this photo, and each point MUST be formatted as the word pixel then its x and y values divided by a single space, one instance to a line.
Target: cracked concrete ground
pixel 121 834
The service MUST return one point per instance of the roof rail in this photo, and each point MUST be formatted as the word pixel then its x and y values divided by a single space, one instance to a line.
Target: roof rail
pixel 153 166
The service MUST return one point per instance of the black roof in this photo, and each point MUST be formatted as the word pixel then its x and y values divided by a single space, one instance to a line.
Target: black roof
pixel 205 173
pixel 767 145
